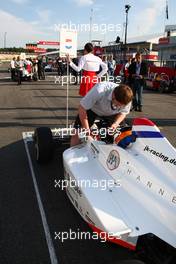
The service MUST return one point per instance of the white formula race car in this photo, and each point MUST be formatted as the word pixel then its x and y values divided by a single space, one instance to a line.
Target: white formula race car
pixel 127 190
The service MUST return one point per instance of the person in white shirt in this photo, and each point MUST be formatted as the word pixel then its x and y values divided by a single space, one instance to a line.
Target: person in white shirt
pixel 12 68
pixel 107 100
pixel 19 65
pixel 90 64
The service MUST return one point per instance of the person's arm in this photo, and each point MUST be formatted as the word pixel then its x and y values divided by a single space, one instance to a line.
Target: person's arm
pixel 80 64
pixel 132 69
pixel 114 64
pixel 119 118
pixel 144 70
pixel 83 117
pixel 104 69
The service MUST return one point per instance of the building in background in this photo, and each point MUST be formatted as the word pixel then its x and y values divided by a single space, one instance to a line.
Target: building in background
pixel 167 47
pixel 37 47
pixel 147 45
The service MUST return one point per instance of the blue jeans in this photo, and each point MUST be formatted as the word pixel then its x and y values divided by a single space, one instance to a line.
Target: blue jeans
pixel 111 72
pixel 137 91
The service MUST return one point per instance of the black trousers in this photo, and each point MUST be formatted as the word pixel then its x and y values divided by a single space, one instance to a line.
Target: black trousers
pixel 41 74
pixel 12 74
pixel 20 73
pixel 137 92
pixel 92 117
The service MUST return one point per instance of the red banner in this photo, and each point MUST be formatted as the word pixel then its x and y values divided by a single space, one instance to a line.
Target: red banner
pixel 150 57
pixel 40 50
pixel 163 40
pixel 49 43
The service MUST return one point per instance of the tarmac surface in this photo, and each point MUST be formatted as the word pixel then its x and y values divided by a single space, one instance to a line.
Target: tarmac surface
pixel 22 236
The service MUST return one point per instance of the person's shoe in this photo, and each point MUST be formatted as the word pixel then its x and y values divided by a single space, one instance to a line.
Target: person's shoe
pixel 140 109
pixel 135 109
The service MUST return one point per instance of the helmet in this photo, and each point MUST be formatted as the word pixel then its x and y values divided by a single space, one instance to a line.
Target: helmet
pixel 126 137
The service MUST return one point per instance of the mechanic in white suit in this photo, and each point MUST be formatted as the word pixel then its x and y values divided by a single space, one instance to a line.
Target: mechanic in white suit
pixel 105 99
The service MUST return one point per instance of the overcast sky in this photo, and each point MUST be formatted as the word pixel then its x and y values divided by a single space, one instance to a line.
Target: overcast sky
pixel 31 20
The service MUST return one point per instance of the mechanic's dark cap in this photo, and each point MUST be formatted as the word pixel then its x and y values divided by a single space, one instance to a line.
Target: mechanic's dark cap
pixel 88 47
pixel 123 94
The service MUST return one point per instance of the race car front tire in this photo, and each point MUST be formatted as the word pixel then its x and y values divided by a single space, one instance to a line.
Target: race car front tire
pixel 44 144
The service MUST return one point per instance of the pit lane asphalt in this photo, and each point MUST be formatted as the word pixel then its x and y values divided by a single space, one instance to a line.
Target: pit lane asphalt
pixel 22 238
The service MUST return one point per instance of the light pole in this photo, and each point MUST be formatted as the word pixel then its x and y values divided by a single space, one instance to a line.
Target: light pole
pixel 5 39
pixel 91 19
pixel 127 8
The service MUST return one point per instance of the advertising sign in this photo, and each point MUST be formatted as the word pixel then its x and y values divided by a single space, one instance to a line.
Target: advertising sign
pixel 52 43
pixel 164 41
pixel 40 50
pixel 68 43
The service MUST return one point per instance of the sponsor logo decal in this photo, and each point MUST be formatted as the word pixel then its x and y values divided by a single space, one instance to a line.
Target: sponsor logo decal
pixel 89 219
pixel 68 41
pixel 94 149
pixel 160 155
pixel 113 160
pixel 153 186
pixel 77 190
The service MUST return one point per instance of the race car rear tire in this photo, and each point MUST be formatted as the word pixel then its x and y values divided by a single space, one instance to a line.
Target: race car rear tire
pixel 44 144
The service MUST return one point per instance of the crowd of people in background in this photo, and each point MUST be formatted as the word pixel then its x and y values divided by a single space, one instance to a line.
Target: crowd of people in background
pixel 111 64
pixel 110 97
pixel 89 67
pixel 133 73
pixel 28 68
pixel 61 65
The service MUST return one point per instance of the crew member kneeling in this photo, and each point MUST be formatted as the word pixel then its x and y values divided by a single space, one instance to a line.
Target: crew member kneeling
pixel 106 100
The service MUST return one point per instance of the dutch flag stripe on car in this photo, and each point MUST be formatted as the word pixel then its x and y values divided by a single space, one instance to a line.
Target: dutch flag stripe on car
pixel 148 134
